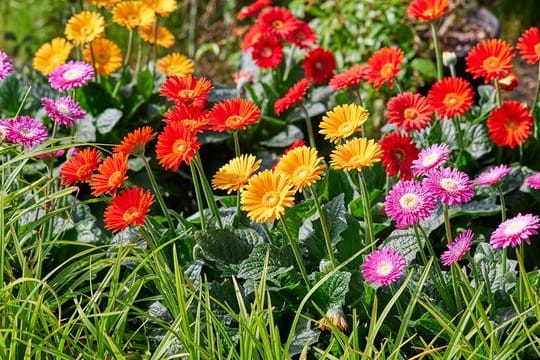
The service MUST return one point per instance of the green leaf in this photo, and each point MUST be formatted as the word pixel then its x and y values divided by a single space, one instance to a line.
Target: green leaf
pixel 476 208
pixel 476 140
pixel 333 291
pixel 252 267
pixel 284 138
pixel 425 67
pixel 488 266
pixel 106 121
pixel 222 247
pixel 95 99
pixel 405 242
pixel 85 131
pixel 303 336
pixel 145 83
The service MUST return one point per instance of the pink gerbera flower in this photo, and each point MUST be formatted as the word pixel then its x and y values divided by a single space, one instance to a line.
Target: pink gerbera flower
pixel 6 67
pixel 26 131
pixel 493 176
pixel 513 231
pixel 430 158
pixel 457 249
pixel 64 111
pixel 533 181
pixel 408 203
pixel 451 186
pixel 4 129
pixel 71 75
pixel 384 266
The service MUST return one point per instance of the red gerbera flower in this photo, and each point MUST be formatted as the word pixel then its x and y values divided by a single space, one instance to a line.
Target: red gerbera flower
pixel 319 65
pixel 177 143
pixel 510 124
pixel 251 37
pixel 267 52
pixel 277 21
pixel 509 82
pixel 294 95
pixel 302 35
pixel 187 89
pixel 234 114
pixel 451 96
pixel 384 66
pixel 80 167
pixel 529 45
pixel 193 117
pixel 135 141
pixel 409 111
pixel 350 77
pixel 399 152
pixel 128 208
pixel 427 10
pixel 491 59
pixel 111 174
pixel 249 11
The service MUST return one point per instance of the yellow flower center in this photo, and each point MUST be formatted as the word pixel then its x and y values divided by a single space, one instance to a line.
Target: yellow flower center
pixel 86 30
pixel 430 159
pixel 428 13
pixel 267 52
pixel 345 128
pixel 62 108
pixel 492 63
pixel 537 49
pixel 186 93
pixel 448 184
pixel 131 214
pixel 451 100
pixel 82 170
pixel 410 114
pixel 270 199
pixel 511 125
pixel 102 58
pixel 234 121
pixel 301 173
pixel 72 74
pixel 179 146
pixel 387 71
pixel 277 24
pixel 114 179
pixel 513 228
pixel 357 160
pixel 408 201
pixel 384 268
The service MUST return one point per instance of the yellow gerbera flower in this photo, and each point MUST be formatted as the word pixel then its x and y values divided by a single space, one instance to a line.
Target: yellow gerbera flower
pixel 107 56
pixel 175 64
pixel 266 196
pixel 356 154
pixel 163 36
pixel 234 175
pixel 85 27
pixel 133 13
pixel 51 55
pixel 103 3
pixel 301 166
pixel 343 121
pixel 162 7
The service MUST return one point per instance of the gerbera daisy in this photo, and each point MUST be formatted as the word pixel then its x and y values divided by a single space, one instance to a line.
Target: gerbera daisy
pixel 301 166
pixel 319 65
pixel 163 37
pixel 458 248
pixel 51 55
pixel 162 7
pixel 302 35
pixel 529 45
pixel 509 82
pixel 175 64
pixel 493 176
pixel 234 114
pixel 294 95
pixel 243 77
pixel 176 144
pixel 251 37
pixel 25 131
pixel 111 174
pixel 267 52
pixel 383 267
pixel 193 117
pixel 408 203
pixel 296 143
pixel 106 54
pixel 350 77
pixel 51 154
pixel 451 96
pixel 234 175
pixel 80 166
pixel 266 196
pixel 135 141
pixel 427 10
pixel 510 124
pixel 103 3
pixel 85 27
pixel 356 154
pixel 399 151
pixel 6 67
pixel 277 22
pixel 4 129
pixel 533 181
pixel 128 208
pixel 64 110
pixel 187 90
pixel 133 13
pixel 409 111
pixel 431 158
pixel 490 59
pixel 451 186
pixel 253 9
pixel 515 230
pixel 384 65
pixel 72 75
pixel 343 121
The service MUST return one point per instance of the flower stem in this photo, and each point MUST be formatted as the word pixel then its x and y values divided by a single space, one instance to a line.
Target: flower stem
pixel 457 124
pixel 125 64
pixel 359 96
pixel 207 190
pixel 398 85
pixel 139 56
pixel 535 103
pixel 91 48
pixel 498 91
pixel 198 197
pixel 503 216
pixel 324 225
pixel 236 143
pixel 288 64
pixel 447 223
pixel 237 154
pixel 296 252
pixel 309 127
pixel 438 54
pixel 23 101
pixel 154 184
pixel 367 216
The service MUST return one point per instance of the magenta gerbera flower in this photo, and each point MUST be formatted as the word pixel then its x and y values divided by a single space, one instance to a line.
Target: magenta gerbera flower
pixel 430 158
pixel 64 111
pixel 4 129
pixel 6 67
pixel 533 181
pixel 408 203
pixel 383 266
pixel 457 249
pixel 26 131
pixel 493 176
pixel 71 75
pixel 514 230
pixel 451 186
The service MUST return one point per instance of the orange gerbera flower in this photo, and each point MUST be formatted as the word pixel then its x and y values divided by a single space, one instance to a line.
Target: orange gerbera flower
pixel 163 37
pixel 350 77
pixel 175 64
pixel 409 111
pixel 384 66
pixel 234 114
pixel 128 208
pixel 187 89
pixel 193 117
pixel 490 59
pixel 107 56
pixel 162 7
pixel 510 124
pixel 451 96
pixel 135 141
pixel 111 174
pixel 294 95
pixel 427 10
pixel 51 55
pixel 176 144
pixel 80 167
pixel 85 27
pixel 133 13
pixel 529 45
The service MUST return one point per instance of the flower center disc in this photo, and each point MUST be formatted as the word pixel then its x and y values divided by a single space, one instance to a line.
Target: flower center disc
pixel 179 146
pixel 430 159
pixel 399 155
pixel 511 125
pixel 410 114
pixel 346 128
pixel 131 214
pixel 270 199
pixel 492 63
pixel 513 228
pixel 234 121
pixel 450 100
pixel 72 74
pixel 387 70
pixel 277 24
pixel 267 52
pixel 114 179
pixel 408 201
pixel 63 109
pixel 186 93
pixel 86 30
pixel 384 268
pixel 449 184
pixel 301 172
pixel 357 160
pixel 537 49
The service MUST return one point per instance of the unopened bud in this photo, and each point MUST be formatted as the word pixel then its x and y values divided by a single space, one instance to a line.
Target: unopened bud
pixel 449 58
pixel 336 316
pixel 325 266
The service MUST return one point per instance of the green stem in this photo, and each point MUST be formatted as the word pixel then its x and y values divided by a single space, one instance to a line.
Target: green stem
pixel 139 56
pixel 154 49
pixel 535 103
pixel 447 223
pixel 296 252
pixel 453 71
pixel 359 96
pixel 125 63
pixel 207 189
pixel 155 186
pixel 420 245
pixel 309 127
pixel 522 273
pixel 457 124
pixel 324 225
pixel 503 216
pixel 498 92
pixel 365 199
pixel 93 60
pixel 237 151
pixel 438 54
pixel 288 64
pixel 398 85
pixel 25 96
pixel 198 197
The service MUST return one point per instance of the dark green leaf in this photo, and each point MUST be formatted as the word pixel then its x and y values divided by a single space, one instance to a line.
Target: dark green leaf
pixel 222 247
pixel 333 291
